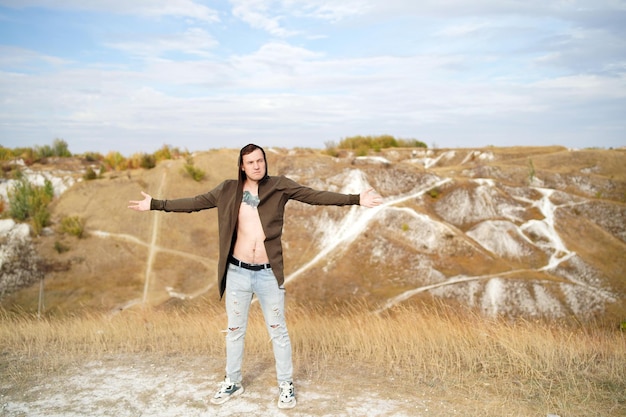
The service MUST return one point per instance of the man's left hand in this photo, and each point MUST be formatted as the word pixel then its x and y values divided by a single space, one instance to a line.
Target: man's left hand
pixel 370 198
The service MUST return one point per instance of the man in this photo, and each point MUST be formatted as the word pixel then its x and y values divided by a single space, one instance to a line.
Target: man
pixel 250 215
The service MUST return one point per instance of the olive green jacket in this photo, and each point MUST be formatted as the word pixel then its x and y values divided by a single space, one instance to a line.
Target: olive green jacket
pixel 274 193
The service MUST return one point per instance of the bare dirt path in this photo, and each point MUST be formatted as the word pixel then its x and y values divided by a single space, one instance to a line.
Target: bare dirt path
pixel 157 248
pixel 153 241
pixel 133 385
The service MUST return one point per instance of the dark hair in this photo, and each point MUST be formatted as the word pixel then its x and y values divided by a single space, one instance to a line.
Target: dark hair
pixel 248 149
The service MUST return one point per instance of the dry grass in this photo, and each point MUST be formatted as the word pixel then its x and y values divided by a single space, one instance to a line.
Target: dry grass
pixel 520 366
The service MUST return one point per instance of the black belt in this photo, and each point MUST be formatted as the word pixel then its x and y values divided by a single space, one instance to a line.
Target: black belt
pixel 251 267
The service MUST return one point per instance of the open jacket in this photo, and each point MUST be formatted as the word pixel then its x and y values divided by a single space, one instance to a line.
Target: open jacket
pixel 274 193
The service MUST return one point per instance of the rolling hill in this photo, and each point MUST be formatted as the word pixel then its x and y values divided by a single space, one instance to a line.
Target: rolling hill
pixel 535 232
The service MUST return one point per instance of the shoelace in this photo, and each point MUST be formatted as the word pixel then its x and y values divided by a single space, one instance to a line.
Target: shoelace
pixel 225 386
pixel 286 392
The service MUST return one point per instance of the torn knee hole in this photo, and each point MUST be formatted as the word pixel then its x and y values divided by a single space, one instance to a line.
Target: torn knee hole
pixel 233 329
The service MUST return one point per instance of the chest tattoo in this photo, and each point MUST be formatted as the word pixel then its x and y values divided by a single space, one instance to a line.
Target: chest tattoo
pixel 251 200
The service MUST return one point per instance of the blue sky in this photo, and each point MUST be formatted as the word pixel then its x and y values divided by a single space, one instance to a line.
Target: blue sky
pixel 133 75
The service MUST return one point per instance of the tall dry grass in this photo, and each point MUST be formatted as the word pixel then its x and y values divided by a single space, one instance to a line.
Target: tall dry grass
pixel 441 352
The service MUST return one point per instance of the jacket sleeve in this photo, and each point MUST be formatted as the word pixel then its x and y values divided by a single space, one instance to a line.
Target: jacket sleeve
pixel 187 205
pixel 317 197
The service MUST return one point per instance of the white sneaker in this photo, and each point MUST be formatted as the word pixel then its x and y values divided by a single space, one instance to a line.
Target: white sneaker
pixel 287 395
pixel 226 391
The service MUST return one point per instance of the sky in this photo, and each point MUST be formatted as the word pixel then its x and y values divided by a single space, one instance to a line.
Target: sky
pixel 134 75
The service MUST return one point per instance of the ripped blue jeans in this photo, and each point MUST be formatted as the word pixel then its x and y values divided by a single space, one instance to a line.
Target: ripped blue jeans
pixel 241 284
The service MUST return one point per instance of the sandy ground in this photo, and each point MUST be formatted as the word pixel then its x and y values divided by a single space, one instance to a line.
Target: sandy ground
pixel 134 386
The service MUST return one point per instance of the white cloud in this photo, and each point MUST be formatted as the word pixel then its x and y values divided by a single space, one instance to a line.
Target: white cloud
pixel 15 57
pixel 257 14
pixel 148 8
pixel 583 87
pixel 585 51
pixel 330 10
pixel 194 41
pixel 273 16
pixel 487 8
pixel 461 30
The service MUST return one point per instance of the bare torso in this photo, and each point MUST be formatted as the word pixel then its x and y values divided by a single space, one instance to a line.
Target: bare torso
pixel 249 246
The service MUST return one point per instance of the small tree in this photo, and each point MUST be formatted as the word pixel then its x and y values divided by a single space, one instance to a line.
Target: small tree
pixel 115 161
pixel 147 161
pixel 60 148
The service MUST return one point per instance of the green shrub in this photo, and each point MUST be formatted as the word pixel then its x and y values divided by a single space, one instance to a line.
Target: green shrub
pixel 194 172
pixel 60 148
pixel 73 225
pixel 60 247
pixel 93 157
pixel 115 161
pixel 331 152
pixel 40 219
pixel 167 152
pixel 411 143
pixel 44 151
pixel 331 149
pixel 90 174
pixel 30 202
pixel 362 150
pixel 6 154
pixel 378 143
pixel 531 172
pixel 147 161
pixel 434 192
pixel 48 189
pixel 164 153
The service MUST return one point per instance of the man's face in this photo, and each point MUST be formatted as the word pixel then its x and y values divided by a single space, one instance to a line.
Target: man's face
pixel 254 165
